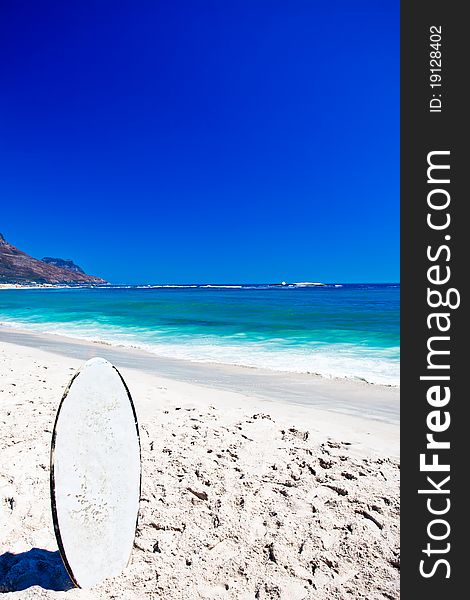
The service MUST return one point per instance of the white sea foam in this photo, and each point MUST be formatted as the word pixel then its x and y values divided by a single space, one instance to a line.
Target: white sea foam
pixel 327 360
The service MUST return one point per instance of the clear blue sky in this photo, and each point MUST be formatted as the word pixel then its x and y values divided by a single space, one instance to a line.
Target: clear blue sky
pixel 203 141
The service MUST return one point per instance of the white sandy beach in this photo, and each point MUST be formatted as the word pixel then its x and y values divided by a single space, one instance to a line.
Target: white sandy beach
pixel 244 495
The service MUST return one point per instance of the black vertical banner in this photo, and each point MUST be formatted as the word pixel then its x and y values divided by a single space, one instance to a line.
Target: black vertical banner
pixel 435 258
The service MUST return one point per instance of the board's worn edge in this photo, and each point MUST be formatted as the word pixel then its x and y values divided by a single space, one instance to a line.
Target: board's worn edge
pixel 55 519
pixel 136 422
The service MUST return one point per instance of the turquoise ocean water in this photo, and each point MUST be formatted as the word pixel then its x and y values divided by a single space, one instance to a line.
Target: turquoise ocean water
pixel 350 331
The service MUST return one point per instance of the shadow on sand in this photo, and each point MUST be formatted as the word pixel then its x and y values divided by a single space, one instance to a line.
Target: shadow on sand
pixel 35 567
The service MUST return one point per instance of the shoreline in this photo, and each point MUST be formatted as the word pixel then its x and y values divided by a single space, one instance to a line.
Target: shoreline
pixel 339 395
pixel 224 330
pixel 17 328
pixel 159 352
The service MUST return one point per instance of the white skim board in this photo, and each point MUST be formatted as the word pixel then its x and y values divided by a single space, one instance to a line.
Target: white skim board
pixel 95 474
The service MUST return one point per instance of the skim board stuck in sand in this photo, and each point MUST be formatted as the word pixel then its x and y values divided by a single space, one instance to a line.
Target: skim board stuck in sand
pixel 95 474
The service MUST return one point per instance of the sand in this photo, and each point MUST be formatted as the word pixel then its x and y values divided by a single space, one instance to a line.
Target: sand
pixel 244 495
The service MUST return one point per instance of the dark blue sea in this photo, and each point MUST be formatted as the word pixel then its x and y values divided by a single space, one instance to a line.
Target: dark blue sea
pixel 348 331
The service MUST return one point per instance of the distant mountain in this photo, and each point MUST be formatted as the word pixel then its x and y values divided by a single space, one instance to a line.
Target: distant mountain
pixel 18 267
pixel 63 263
